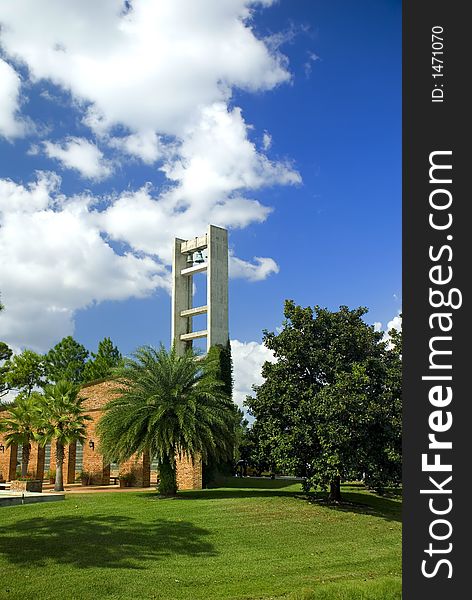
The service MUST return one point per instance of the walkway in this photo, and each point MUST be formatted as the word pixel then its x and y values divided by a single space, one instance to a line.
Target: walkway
pixel 77 488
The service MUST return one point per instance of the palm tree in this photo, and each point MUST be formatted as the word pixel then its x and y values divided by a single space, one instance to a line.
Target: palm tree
pixel 167 405
pixel 62 420
pixel 21 425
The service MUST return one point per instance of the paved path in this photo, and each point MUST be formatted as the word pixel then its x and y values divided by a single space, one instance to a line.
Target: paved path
pixel 77 488
pixel 8 498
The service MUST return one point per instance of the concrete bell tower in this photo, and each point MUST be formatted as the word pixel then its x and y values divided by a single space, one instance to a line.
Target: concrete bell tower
pixel 189 260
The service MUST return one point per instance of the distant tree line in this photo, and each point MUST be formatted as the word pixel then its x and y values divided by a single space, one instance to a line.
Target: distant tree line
pixel 67 361
pixel 47 407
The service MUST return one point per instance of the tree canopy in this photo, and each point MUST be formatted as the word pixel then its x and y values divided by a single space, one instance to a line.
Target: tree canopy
pixel 103 362
pixel 5 355
pixel 330 406
pixel 62 419
pixel 20 424
pixel 66 361
pixel 25 372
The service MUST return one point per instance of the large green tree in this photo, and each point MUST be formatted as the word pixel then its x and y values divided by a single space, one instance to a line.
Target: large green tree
pixel 66 361
pixel 21 423
pixel 101 365
pixel 167 405
pixel 5 355
pixel 25 372
pixel 330 406
pixel 62 421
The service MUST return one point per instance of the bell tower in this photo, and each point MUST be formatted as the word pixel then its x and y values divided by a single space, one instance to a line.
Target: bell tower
pixel 205 253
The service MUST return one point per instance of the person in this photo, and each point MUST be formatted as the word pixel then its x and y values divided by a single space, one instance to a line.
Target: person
pixel 241 468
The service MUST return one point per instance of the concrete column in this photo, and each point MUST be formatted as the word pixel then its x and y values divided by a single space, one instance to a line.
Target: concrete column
pixel 181 297
pixel 140 467
pixel 217 287
pixel 36 461
pixel 71 462
pixel 189 473
pixel 8 460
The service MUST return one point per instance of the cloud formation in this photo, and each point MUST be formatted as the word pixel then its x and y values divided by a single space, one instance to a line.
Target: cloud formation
pixel 10 124
pixel 248 358
pixel 147 67
pixel 394 323
pixel 260 269
pixel 54 260
pixel 81 155
pixel 152 81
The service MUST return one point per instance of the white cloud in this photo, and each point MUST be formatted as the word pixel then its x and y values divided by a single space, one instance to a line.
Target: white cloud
pixel 248 358
pixel 80 155
pixel 55 260
pixel 55 257
pixel 260 269
pixel 10 124
pixel 149 68
pixel 154 83
pixel 394 323
pixel 308 66
pixel 216 157
pixel 144 145
pixel 210 170
pixel 266 140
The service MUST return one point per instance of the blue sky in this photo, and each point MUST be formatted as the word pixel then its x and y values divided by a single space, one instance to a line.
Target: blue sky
pixel 282 124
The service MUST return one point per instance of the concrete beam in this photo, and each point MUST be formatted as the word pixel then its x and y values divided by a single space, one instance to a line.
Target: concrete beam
pixel 193 312
pixel 194 335
pixel 198 243
pixel 195 269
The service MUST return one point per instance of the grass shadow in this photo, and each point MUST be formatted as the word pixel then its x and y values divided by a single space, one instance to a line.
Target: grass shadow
pixel 359 502
pixel 356 499
pixel 99 541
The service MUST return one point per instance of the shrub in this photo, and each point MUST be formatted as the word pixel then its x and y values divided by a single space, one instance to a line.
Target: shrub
pixel 86 477
pixel 127 479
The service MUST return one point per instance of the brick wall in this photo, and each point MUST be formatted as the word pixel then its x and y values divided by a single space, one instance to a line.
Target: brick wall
pixel 140 467
pixel 68 468
pixel 189 474
pixel 36 462
pixel 7 460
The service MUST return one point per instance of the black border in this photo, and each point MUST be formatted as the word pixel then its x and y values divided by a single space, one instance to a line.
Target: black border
pixel 429 127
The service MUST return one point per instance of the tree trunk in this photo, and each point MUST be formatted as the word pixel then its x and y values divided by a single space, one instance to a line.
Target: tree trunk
pixel 167 478
pixel 335 490
pixel 59 485
pixel 25 456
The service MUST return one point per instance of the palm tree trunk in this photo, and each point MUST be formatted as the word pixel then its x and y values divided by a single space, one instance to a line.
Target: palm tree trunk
pixel 167 478
pixel 25 456
pixel 59 485
pixel 335 490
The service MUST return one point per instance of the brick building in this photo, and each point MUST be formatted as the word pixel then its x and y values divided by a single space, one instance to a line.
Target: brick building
pixel 87 457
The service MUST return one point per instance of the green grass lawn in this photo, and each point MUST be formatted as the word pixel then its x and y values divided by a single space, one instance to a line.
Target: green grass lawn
pixel 264 540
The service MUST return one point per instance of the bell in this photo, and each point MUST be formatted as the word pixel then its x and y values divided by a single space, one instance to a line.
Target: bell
pixel 189 260
pixel 199 257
